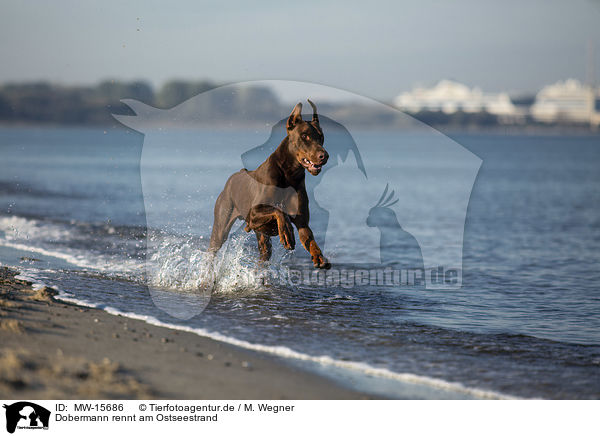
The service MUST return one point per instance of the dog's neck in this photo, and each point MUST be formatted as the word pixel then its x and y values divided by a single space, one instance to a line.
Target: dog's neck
pixel 289 166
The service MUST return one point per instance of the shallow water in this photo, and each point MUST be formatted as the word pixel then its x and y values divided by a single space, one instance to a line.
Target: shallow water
pixel 525 322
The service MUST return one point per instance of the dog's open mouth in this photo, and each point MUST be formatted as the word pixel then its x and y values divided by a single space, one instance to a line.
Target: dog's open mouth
pixel 311 166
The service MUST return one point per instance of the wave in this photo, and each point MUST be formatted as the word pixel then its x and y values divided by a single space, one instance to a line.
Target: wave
pixel 180 263
pixel 26 190
pixel 70 243
pixel 289 353
pixel 162 261
pixel 286 352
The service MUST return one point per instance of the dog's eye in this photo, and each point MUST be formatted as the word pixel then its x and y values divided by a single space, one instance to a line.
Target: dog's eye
pixel 305 137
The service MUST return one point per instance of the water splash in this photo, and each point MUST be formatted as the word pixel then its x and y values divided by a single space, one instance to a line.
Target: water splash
pixel 182 275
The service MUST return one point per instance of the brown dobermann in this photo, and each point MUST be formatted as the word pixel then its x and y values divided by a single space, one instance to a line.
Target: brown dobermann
pixel 273 196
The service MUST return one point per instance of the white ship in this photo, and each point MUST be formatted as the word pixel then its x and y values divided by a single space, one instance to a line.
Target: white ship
pixel 450 97
pixel 566 101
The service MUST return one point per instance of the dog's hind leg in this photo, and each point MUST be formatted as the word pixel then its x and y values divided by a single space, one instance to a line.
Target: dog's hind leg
pixel 264 246
pixel 225 216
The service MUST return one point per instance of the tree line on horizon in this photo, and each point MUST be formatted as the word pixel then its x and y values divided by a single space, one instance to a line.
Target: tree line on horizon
pixel 46 103
pixel 43 102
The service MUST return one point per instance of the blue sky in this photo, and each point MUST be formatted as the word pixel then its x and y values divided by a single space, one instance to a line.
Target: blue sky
pixel 376 49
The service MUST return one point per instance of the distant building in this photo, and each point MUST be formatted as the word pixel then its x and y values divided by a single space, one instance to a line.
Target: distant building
pixel 568 101
pixel 450 97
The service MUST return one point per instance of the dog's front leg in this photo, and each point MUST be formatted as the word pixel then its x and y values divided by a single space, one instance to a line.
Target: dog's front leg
pixel 308 241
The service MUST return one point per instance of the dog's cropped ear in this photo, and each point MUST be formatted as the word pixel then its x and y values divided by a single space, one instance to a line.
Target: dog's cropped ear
pixel 295 116
pixel 315 118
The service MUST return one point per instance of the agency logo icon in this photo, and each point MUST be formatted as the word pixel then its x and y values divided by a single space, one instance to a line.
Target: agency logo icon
pixel 391 199
pixel 26 415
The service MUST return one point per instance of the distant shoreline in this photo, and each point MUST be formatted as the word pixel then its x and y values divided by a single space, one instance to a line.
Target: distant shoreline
pixel 445 129
pixel 245 105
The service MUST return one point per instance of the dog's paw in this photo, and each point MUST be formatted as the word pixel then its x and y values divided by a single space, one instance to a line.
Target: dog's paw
pixel 321 262
pixel 287 238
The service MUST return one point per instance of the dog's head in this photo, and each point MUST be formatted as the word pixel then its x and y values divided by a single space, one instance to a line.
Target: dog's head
pixel 306 140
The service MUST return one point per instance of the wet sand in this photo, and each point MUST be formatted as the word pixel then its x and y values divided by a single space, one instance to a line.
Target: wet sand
pixel 54 350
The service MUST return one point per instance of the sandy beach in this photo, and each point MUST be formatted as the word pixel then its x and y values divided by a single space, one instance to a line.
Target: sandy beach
pixel 54 350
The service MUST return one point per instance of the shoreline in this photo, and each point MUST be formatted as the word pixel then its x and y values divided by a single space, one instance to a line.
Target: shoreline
pixel 57 350
pixel 446 129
